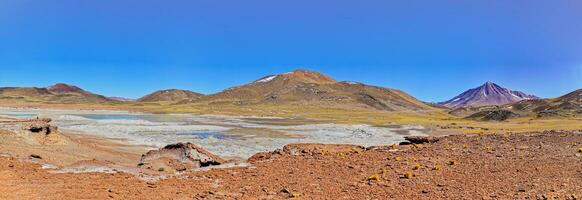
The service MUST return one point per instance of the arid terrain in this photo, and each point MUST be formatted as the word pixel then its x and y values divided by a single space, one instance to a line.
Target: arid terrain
pixel 304 94
pixel 300 134
pixel 480 166
pixel 263 99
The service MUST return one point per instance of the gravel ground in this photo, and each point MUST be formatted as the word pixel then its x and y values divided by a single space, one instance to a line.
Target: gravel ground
pixel 493 166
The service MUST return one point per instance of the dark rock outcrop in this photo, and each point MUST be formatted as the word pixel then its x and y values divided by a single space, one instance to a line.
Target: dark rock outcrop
pixel 421 139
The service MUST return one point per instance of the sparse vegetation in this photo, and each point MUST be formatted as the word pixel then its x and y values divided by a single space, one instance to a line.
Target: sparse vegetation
pixel 488 149
pixel 374 177
pixel 385 171
pixel 408 175
pixel 432 119
pixel 417 167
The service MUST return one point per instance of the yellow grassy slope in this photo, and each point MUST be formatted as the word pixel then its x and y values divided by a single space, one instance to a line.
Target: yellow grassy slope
pixel 434 119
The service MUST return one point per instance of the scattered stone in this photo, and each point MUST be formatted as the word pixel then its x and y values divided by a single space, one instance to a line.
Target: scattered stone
pixel 289 193
pixel 263 156
pixel 320 149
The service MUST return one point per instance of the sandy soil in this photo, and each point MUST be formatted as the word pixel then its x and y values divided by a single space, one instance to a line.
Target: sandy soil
pixel 492 166
pixel 72 148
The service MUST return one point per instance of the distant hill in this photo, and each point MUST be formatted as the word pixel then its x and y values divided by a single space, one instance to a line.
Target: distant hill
pixel 493 115
pixel 58 93
pixel 565 106
pixel 486 95
pixel 170 95
pixel 569 105
pixel 304 87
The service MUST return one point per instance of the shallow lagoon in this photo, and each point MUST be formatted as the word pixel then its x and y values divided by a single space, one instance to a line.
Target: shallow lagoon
pixel 224 135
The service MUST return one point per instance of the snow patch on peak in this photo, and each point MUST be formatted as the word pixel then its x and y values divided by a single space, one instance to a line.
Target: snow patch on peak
pixel 513 94
pixel 266 79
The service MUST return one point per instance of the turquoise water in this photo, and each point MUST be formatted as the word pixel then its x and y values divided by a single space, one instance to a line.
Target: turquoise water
pixel 113 117
pixel 145 117
pixel 21 115
pixel 205 135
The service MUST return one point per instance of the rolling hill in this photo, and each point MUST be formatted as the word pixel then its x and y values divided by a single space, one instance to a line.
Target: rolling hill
pixel 565 106
pixel 58 93
pixel 170 95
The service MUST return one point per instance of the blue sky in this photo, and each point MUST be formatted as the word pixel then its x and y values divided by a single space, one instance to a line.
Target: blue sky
pixel 430 49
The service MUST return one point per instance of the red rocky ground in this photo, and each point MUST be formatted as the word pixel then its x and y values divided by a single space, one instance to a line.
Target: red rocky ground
pixel 501 166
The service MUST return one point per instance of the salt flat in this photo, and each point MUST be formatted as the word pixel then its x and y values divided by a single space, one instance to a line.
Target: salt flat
pixel 224 135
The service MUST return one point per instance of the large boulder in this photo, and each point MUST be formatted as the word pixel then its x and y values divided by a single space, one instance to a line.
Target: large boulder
pixel 179 157
pixel 40 126
pixel 40 131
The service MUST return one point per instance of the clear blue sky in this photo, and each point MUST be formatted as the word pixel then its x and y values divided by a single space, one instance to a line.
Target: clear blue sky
pixel 430 49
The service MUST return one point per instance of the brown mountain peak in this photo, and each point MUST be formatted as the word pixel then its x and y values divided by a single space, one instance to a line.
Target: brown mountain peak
pixel 170 95
pixel 63 88
pixel 298 76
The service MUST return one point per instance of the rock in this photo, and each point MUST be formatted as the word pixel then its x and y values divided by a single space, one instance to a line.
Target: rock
pixel 179 157
pixel 289 193
pixel 40 131
pixel 421 139
pixel 35 156
pixel 40 126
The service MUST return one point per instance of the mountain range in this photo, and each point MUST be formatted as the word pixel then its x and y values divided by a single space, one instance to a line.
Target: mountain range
pixel 310 88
